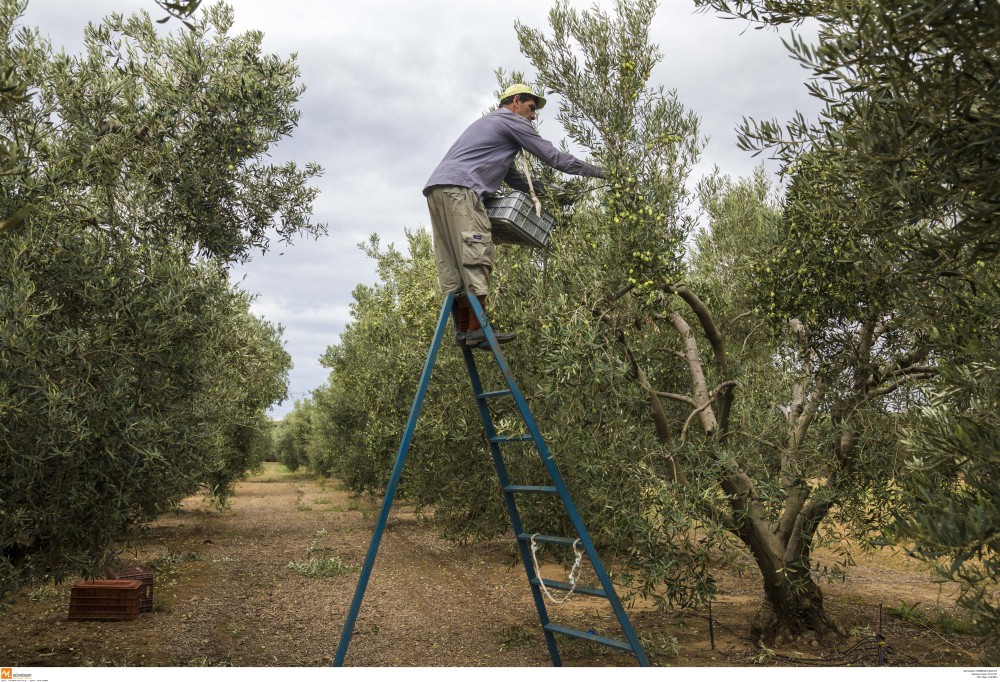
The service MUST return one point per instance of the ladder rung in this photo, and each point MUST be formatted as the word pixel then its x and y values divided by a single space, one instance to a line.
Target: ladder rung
pixel 530 489
pixel 511 439
pixel 493 394
pixel 549 539
pixel 580 634
pixel 566 587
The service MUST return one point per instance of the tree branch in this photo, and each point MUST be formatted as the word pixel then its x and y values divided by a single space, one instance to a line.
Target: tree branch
pixel 724 385
pixel 794 502
pixel 707 324
pixel 676 353
pixel 718 345
pixel 804 529
pixel 660 422
pixel 608 301
pixel 752 332
pixel 698 381
pixel 804 420
pixel 740 317
pixel 673 396
pixel 886 390
pixel 911 370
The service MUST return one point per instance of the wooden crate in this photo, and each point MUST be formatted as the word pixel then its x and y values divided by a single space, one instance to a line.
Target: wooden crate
pixel 145 576
pixel 105 600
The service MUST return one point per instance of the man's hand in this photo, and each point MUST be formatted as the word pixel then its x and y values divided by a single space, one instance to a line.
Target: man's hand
pixel 562 195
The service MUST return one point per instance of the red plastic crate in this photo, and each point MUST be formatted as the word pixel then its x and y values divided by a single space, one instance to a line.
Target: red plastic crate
pixel 105 600
pixel 141 574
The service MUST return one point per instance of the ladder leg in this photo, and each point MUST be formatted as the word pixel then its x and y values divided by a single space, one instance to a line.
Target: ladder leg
pixel 581 530
pixel 557 481
pixel 390 491
pixel 512 512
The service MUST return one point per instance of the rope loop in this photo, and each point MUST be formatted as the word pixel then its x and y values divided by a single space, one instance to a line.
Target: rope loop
pixel 574 572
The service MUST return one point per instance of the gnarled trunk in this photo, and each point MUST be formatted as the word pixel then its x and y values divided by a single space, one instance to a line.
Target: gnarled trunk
pixel 792 607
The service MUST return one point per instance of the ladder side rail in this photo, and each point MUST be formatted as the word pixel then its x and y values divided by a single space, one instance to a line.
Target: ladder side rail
pixel 510 502
pixel 588 545
pixel 560 485
pixel 390 491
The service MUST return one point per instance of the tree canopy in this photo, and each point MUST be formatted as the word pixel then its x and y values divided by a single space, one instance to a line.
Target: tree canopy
pixel 132 372
pixel 900 179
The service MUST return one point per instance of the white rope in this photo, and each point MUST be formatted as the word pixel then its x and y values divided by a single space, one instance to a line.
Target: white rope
pixel 526 169
pixel 574 572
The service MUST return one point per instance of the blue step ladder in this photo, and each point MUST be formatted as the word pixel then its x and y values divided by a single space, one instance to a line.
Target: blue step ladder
pixel 525 540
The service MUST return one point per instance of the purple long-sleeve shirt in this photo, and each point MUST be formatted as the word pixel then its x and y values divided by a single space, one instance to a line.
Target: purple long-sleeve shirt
pixel 482 156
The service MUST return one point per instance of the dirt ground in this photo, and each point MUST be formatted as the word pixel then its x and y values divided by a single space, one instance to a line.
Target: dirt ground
pixel 226 595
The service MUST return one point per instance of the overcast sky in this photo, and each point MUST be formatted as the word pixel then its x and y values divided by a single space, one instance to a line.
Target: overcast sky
pixel 392 83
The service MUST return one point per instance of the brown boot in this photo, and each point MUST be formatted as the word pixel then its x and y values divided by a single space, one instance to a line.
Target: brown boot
pixel 475 336
pixel 464 313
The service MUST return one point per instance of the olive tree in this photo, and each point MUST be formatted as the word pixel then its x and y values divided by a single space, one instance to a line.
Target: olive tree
pixel 359 415
pixel 132 372
pixel 291 436
pixel 902 182
pixel 762 455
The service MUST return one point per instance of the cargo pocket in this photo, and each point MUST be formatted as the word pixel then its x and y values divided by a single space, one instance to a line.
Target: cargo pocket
pixel 477 249
pixel 457 202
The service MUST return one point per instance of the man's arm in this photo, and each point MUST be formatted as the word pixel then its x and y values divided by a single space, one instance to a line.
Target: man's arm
pixel 530 140
pixel 516 180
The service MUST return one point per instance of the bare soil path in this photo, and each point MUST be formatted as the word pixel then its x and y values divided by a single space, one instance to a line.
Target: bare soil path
pixel 225 594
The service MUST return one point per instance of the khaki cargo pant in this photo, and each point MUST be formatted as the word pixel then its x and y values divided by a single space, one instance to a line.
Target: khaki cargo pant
pixel 463 240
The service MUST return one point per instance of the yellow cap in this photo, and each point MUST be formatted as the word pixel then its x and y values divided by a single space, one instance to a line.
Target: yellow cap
pixel 522 89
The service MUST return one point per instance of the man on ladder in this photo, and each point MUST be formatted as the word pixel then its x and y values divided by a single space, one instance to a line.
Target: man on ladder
pixel 475 166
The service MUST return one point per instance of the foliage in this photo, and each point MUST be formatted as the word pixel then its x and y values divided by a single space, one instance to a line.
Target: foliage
pixel 514 636
pixel 911 90
pixel 589 407
pixel 133 372
pixel 769 482
pixel 953 474
pixel 178 9
pixel 121 397
pixel 290 436
pixel 107 130
pixel 644 136
pixel 898 178
pixel 320 563
pixel 359 415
